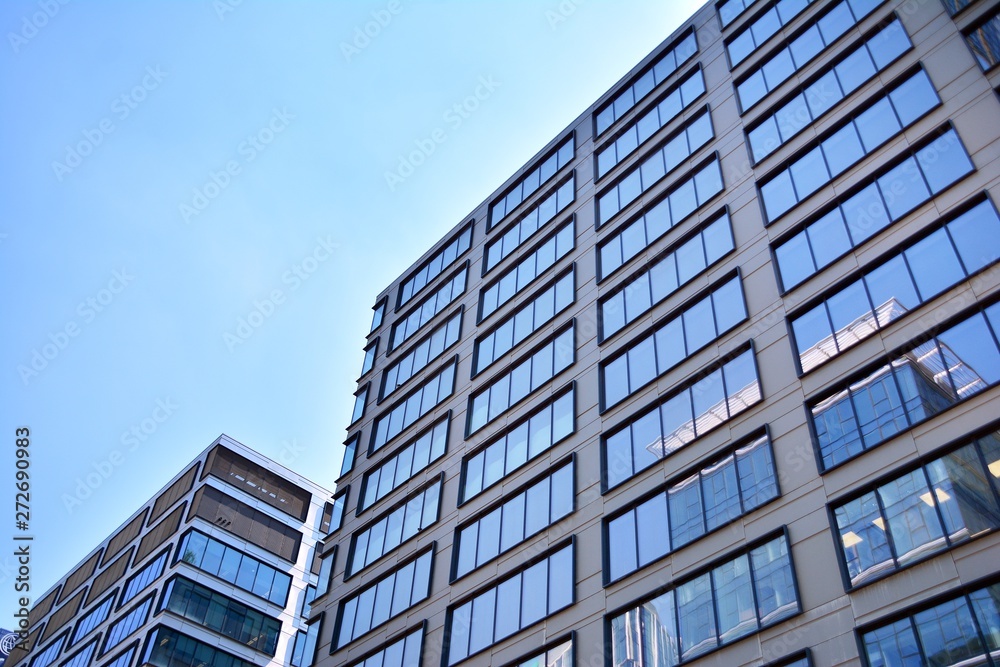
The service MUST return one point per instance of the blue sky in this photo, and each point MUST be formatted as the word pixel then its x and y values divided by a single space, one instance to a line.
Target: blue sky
pixel 199 215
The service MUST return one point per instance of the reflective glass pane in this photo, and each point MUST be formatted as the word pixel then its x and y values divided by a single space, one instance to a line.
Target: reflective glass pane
pixel 913 521
pixel 795 261
pixel 944 161
pixel 976 234
pixel 892 290
pixel 913 98
pixel 948 634
pixel 696 613
pixel 721 492
pixel 903 189
pixel 734 599
pixel 876 124
pixel 865 547
pixel 865 214
pixel 962 493
pixel 686 512
pixel 778 195
pixel 653 529
pixel 646 440
pixel 855 69
pixel 843 148
pixel 772 572
pixel 851 314
pixel 893 645
pixel 971 355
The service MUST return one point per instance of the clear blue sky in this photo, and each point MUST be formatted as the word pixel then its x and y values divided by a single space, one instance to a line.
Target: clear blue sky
pixel 171 168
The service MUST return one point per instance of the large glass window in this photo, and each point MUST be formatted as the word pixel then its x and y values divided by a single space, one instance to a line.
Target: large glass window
pixel 424 312
pixel 350 453
pixel 415 405
pixel 529 223
pixel 223 561
pixel 730 10
pixel 166 647
pixel 369 360
pixel 560 655
pixel 666 275
pixel 867 210
pixel 414 457
pixel 737 597
pixel 81 658
pixel 763 28
pixel 712 397
pixel 686 509
pixel 672 342
pixel 304 649
pixel 360 401
pixel 956 363
pixel 984 40
pixel 517 602
pixel 850 142
pixel 644 83
pixel 433 267
pixel 894 287
pixel 404 652
pixel 393 528
pixel 531 436
pixel 123 659
pixel 522 514
pixel 93 618
pixel 430 348
pixel 833 85
pixel 675 150
pixel 138 582
pixel 378 314
pixel 385 598
pixel 532 182
pixel 47 656
pixel 633 237
pixel 120 630
pixel 525 377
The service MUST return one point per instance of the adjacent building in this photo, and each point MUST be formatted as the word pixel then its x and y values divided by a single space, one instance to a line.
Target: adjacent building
pixel 712 379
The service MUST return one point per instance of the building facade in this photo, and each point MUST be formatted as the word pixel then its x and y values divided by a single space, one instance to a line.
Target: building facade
pixel 712 379
pixel 218 568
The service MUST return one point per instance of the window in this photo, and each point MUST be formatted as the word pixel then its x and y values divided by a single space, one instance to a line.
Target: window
pixel 848 144
pixel 866 210
pixel 688 508
pixel 685 197
pixel 730 10
pixel 309 594
pixel 535 179
pixel 125 626
pixel 674 150
pixel 138 582
pixel 438 263
pixel 529 223
pixel 794 54
pixel 829 87
pixel 945 502
pixel 678 338
pixel 633 135
pixel 733 599
pixel 960 631
pixel 360 399
pixel 350 453
pixel 404 652
pixel 559 655
pixel 644 83
pixel 378 314
pixel 984 40
pixel 523 322
pixel 416 513
pixel 325 576
pixel 763 28
pixel 446 294
pixel 518 277
pixel 430 348
pixel 81 658
pixel 412 458
pixel 537 433
pixel 959 362
pixel 415 405
pixel 94 618
pixel 710 398
pixel 385 598
pixel 123 659
pixel 223 561
pixel 521 515
pixel 894 287
pixel 304 650
pixel 222 614
pixel 369 359
pixel 518 601
pixel 166 647
pixel 339 504
pixel 955 6
pixel 526 376
pixel 50 653
pixel 673 269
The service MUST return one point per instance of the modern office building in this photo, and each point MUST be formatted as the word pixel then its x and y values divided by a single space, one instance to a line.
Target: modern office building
pixel 218 569
pixel 712 379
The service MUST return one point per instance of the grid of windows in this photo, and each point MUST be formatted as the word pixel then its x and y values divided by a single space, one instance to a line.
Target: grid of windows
pixel 763 28
pixel 417 403
pixel 234 567
pixel 528 224
pixel 687 509
pixel 801 50
pixel 222 614
pixel 635 134
pixel 891 194
pixel 883 119
pixel 714 397
pixel 956 363
pixel 735 598
pixel 389 596
pixel 960 631
pixel 984 40
pixel 433 267
pixel 525 321
pixel 520 516
pixel 166 647
pixel 49 655
pixel 893 288
pixel 407 462
pixel 690 330
pixel 517 602
pixel 423 353
pixel 673 269
pixel 675 151
pixel 835 83
pixel 526 376
pixel 683 200
pixel 425 311
pixel 515 279
pixel 404 652
pixel 652 77
pixel 82 657
pixel 536 433
pixel 530 184
pixel 137 582
pixel 730 10
pixel 393 528
pixel 912 516
pixel 94 618
pixel 120 630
